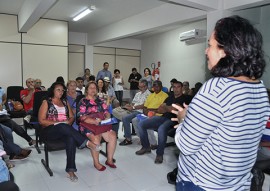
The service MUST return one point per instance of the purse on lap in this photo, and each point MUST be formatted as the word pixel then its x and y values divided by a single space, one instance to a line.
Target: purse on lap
pixel 96 129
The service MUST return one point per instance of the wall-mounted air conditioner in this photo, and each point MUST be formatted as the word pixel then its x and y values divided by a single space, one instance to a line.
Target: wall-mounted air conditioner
pixel 192 34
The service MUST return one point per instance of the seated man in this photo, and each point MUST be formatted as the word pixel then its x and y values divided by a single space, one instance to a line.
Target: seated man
pixel 151 105
pixel 136 107
pixel 27 96
pixel 162 123
pixel 38 85
pixel 80 87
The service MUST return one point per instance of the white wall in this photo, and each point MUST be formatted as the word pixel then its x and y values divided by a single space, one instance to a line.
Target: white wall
pixel 265 30
pixel 178 60
pixel 39 53
pixel 81 39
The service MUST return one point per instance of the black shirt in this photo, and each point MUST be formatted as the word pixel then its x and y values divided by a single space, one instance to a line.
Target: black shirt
pixel 134 85
pixel 179 100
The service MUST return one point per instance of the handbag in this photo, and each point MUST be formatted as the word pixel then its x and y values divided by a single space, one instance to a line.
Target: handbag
pixel 119 113
pixel 17 105
pixel 96 129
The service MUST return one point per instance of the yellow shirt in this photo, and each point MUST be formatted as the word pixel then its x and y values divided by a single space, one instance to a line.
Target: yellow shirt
pixel 154 100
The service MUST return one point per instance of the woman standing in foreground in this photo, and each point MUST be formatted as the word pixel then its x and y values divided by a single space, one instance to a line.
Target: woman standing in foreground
pixel 223 125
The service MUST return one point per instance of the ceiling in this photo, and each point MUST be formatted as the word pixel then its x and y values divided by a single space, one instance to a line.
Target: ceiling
pixel 110 12
pixel 106 12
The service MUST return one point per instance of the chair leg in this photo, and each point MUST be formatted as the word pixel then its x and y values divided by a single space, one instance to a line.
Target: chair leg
pixel 37 139
pixel 46 161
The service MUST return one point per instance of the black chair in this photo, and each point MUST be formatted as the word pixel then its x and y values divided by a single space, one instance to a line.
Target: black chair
pixel 38 98
pixel 41 137
pixel 13 93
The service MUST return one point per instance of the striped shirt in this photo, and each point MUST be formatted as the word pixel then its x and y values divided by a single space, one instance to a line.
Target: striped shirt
pixel 220 134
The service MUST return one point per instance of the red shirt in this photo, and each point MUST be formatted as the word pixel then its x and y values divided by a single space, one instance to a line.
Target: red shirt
pixel 27 106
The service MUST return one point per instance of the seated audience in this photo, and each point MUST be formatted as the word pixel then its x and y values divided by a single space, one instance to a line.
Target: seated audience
pixel 92 78
pixel 172 81
pixel 93 104
pixel 186 89
pixel 3 99
pixel 71 98
pixel 56 117
pixel 14 151
pixel 197 87
pixel 162 123
pixel 135 108
pixel 80 87
pixel 60 79
pixel 86 76
pixel 18 130
pixel 27 96
pixel 151 105
pixel 38 85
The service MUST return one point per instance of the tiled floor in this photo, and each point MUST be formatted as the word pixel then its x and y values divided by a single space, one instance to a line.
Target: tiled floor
pixel 132 173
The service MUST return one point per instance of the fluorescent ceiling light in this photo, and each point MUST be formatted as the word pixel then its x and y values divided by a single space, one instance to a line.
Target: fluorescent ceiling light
pixel 82 14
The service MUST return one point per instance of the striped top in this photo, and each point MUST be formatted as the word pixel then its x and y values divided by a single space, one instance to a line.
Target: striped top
pixel 220 134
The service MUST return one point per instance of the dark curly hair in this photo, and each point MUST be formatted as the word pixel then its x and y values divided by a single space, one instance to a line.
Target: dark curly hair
pixel 51 90
pixel 242 44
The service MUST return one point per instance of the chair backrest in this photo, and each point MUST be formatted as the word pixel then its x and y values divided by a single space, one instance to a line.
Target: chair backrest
pixel 13 93
pixel 38 98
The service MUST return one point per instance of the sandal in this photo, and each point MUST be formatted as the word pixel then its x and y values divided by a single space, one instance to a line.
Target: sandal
pixel 95 148
pixel 125 142
pixel 72 178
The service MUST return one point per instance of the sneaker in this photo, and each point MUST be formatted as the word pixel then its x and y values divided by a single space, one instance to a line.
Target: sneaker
pixel 142 151
pixel 125 142
pixel 159 159
pixel 27 118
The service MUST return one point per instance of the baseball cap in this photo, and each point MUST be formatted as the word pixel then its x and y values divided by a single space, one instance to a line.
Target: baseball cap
pixel 106 79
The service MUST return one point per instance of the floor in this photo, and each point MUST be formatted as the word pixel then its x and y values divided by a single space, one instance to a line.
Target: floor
pixel 133 173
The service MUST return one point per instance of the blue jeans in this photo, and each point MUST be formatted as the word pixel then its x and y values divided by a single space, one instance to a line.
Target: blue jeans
pixel 10 147
pixel 4 173
pixel 126 122
pixel 187 186
pixel 72 139
pixel 159 123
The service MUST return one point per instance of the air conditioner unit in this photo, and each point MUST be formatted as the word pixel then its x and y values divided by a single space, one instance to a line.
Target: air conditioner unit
pixel 192 34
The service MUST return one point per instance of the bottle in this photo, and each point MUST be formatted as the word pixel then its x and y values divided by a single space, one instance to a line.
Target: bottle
pixel 10 105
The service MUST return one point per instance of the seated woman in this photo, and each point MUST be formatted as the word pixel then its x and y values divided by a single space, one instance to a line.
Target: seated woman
pixel 71 98
pixel 93 104
pixel 56 117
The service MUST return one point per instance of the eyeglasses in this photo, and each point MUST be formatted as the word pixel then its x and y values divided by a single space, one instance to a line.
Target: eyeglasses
pixel 38 82
pixel 30 81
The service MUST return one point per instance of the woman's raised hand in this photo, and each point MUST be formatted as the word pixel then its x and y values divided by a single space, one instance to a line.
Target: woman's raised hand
pixel 179 112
